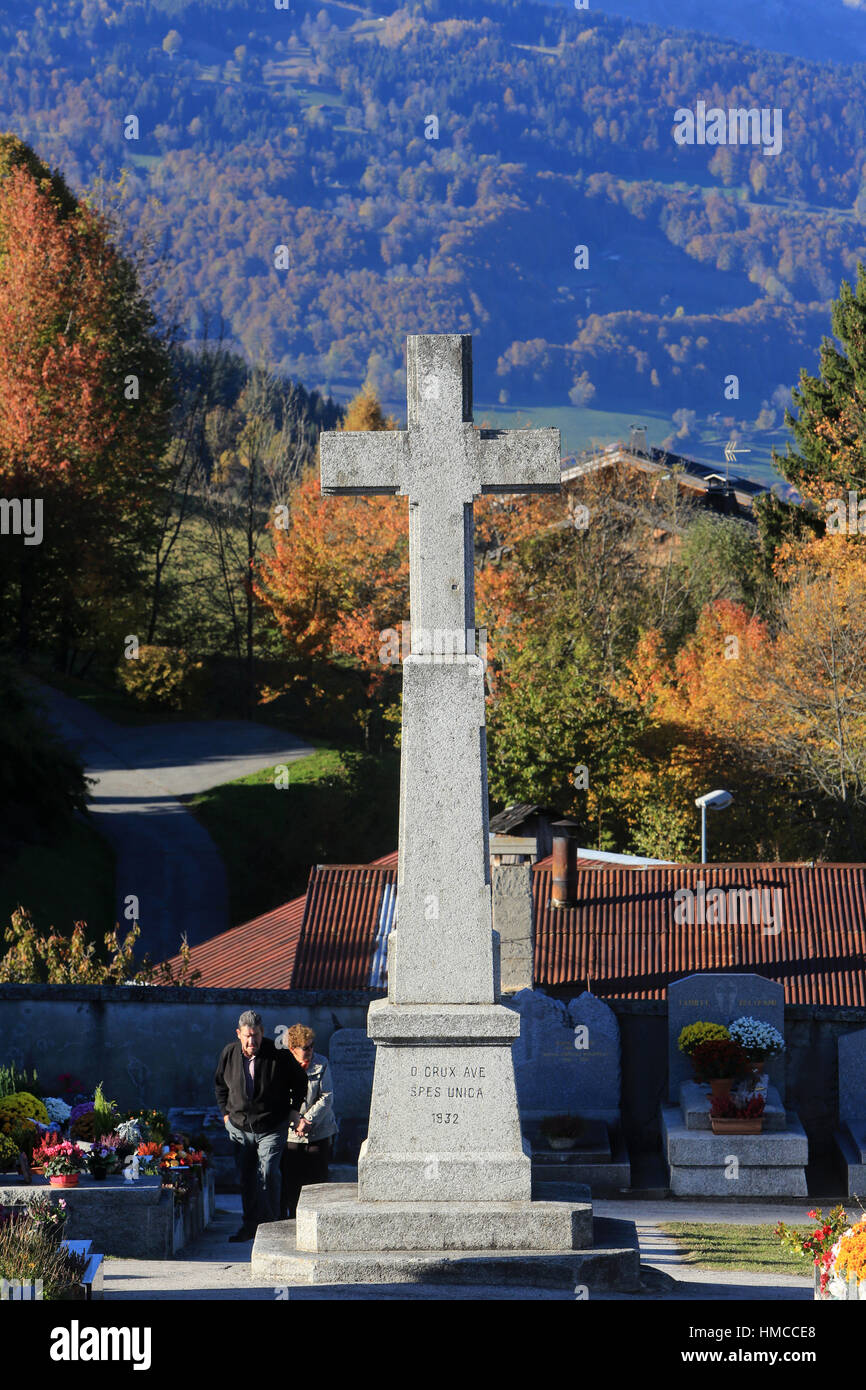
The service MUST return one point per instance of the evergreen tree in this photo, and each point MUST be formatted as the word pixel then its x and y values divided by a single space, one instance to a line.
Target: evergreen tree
pixel 830 429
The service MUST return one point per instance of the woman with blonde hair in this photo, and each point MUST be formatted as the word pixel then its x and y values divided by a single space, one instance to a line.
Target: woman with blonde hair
pixel 305 1159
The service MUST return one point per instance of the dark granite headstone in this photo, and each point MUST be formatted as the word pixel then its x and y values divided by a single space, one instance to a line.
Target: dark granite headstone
pixel 721 999
pixel 566 1059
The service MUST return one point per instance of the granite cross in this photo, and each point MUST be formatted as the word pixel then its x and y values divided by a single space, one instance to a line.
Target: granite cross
pixel 444 1123
pixel 442 463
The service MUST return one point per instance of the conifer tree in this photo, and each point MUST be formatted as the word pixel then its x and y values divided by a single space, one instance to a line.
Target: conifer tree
pixel 829 431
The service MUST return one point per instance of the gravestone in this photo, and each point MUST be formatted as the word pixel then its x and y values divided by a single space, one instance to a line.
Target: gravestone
pixel 851 1134
pixel 738 1166
pixel 567 1058
pixel 444 1182
pixel 721 999
pixel 352 1057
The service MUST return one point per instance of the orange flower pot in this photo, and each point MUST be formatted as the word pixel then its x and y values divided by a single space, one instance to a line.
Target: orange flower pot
pixel 63 1180
pixel 737 1126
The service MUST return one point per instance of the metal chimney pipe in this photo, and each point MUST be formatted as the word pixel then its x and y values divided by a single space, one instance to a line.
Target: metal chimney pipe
pixel 564 863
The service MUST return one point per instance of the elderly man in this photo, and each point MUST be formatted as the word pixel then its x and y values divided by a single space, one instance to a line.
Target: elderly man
pixel 259 1090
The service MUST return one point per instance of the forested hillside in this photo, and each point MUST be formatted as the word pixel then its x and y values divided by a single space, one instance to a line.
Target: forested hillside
pixel 307 129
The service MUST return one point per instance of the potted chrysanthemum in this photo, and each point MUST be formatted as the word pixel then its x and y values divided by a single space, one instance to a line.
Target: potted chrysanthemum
pixel 760 1041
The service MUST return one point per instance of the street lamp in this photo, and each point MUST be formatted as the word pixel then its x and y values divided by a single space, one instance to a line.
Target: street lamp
pixel 714 801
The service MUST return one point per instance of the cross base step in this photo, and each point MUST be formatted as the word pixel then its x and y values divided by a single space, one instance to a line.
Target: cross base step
pixel 331 1219
pixel 612 1264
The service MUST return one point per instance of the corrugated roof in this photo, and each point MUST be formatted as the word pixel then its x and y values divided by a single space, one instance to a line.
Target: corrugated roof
pixel 342 921
pixel 259 954
pixel 623 940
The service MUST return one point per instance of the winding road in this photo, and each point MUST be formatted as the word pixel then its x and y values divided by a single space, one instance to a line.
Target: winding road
pixel 164 858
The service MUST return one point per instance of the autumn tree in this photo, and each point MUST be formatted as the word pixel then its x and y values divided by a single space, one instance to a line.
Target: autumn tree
pixel 338 577
pixel 84 396
pixel 807 702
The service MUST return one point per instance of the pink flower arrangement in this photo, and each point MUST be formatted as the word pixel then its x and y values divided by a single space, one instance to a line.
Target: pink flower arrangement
pixel 55 1160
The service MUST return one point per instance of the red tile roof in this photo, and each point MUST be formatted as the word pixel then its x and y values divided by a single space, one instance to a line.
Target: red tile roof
pixel 623 941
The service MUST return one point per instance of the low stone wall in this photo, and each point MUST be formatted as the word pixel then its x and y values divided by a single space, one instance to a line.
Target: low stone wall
pixel 150 1046
pixel 159 1047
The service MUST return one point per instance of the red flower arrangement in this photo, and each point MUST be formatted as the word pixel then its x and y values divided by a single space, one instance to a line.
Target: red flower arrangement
pixel 817 1244
pixel 728 1108
pixel 718 1058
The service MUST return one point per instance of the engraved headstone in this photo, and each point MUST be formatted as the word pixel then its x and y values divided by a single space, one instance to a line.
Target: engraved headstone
pixel 352 1057
pixel 567 1059
pixel 721 999
pixel 852 1106
pixel 852 1075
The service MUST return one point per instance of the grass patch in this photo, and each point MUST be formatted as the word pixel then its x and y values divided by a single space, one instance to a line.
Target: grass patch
pixel 71 880
pixel 725 1246
pixel 340 807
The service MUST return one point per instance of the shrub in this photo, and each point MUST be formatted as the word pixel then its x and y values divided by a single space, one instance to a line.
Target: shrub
pixel 12 1080
pixel 29 1251
pixel 165 676
pixel 9 1152
pixel 21 1106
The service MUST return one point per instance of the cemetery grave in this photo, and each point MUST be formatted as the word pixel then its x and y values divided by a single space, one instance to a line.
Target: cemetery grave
pixel 771 1163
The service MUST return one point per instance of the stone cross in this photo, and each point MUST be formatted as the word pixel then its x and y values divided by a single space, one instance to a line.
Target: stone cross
pixel 443 1122
pixel 442 463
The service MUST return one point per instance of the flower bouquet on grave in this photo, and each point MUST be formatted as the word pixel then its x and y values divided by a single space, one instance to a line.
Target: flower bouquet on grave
pixel 58 1111
pixel 696 1033
pixel 60 1163
pixel 82 1121
pixel 760 1041
pixel 102 1159
pixel 562 1131
pixel 149 1159
pixel 816 1245
pixel 153 1124
pixel 729 1115
pixel 721 1062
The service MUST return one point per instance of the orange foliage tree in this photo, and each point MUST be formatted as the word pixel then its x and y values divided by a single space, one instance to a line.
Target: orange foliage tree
pixel 84 398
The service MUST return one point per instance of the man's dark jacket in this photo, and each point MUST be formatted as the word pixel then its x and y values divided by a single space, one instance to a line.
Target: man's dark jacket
pixel 280 1086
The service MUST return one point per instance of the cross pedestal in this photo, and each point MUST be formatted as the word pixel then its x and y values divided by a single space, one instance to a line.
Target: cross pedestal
pixel 444 1166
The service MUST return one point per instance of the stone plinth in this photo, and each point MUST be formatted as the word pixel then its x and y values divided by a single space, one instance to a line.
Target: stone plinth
pixel 443 1124
pixel 734 1165
pixel 330 1217
pixel 599 1160
pixel 696 1097
pixel 851 1144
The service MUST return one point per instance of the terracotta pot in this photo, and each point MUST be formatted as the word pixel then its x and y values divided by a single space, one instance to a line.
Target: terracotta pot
pixel 64 1180
pixel 737 1126
pixel 721 1085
